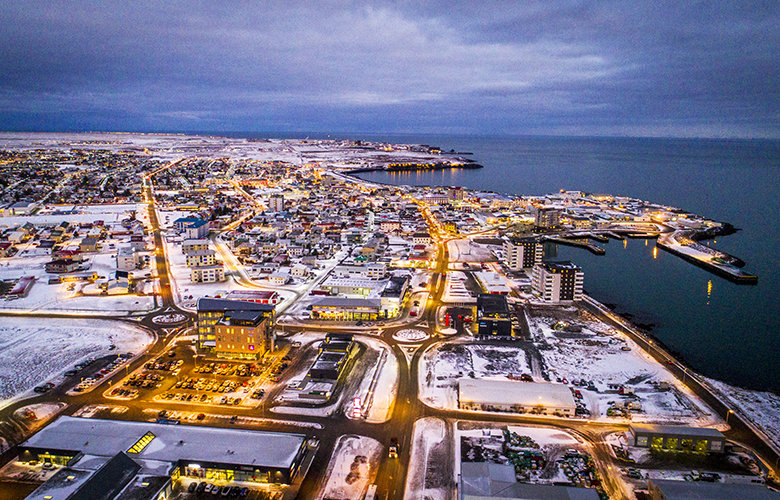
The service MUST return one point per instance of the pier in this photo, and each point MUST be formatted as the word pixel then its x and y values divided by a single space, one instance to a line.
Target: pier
pixel 707 258
pixel 591 247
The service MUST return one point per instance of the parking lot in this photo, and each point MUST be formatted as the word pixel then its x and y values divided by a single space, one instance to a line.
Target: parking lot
pixel 181 376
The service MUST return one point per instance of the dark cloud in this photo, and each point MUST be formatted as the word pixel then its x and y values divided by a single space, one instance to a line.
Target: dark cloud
pixel 584 67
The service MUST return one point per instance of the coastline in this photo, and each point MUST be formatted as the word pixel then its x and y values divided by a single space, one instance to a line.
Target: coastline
pixel 743 425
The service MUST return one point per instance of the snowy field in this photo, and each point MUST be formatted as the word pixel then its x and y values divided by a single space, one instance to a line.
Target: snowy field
pixel 762 409
pixel 592 351
pixel 466 250
pixel 110 214
pixel 442 365
pixel 424 480
pixel 34 350
pixel 352 468
pixel 455 288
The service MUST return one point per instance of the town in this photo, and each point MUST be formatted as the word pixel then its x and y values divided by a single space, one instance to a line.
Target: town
pixel 196 316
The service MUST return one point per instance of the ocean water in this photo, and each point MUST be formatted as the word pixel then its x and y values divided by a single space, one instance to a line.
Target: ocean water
pixel 722 330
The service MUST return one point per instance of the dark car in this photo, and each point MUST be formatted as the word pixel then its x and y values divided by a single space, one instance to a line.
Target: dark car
pixel 201 487
pixel 244 492
pixel 192 487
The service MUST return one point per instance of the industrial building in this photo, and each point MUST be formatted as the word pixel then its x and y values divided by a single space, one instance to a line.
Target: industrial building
pixel 346 309
pixel 211 311
pixel 334 352
pixel 666 489
pixel 676 437
pixel 483 480
pixel 515 397
pixel 522 253
pixel 493 319
pixel 112 454
pixel 557 281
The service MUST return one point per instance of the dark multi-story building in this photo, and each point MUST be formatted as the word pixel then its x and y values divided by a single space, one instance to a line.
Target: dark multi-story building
pixel 493 318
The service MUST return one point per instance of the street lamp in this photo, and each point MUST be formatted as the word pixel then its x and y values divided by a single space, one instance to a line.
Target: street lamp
pixel 727 416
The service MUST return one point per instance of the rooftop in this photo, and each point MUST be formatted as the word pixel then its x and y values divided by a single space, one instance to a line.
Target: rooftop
pixel 697 490
pixel 509 392
pixel 169 443
pixel 209 304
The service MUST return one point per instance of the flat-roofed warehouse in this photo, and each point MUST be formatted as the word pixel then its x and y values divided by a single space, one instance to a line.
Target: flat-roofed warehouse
pixel 676 437
pixel 194 451
pixel 666 489
pixel 516 397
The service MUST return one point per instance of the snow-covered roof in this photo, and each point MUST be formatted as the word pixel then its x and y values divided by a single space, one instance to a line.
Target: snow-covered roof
pixel 170 443
pixel 508 392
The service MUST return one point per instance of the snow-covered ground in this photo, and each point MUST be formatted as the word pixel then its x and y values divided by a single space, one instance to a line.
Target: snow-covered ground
pixel 443 364
pixel 34 350
pixel 352 468
pixel 79 296
pixel 762 409
pixel 411 335
pixel 427 434
pixel 600 354
pixel 466 250
pixel 380 390
pixel 455 288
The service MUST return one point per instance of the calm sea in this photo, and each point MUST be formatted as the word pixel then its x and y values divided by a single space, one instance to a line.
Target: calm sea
pixel 726 331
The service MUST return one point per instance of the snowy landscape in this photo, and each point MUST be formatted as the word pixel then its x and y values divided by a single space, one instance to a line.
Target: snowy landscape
pixel 35 350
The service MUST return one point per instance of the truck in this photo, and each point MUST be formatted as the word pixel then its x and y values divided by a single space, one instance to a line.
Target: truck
pixel 370 492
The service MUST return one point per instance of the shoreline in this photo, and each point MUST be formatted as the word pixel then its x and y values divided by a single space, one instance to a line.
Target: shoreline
pixel 741 424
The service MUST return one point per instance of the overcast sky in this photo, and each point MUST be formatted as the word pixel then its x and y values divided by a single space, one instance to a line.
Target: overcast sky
pixel 628 67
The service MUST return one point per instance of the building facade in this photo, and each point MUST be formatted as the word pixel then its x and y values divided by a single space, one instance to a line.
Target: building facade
pixel 522 253
pixel 557 281
pixel 493 318
pixel 210 311
pixel 243 335
pixel 207 274
pixel 547 218
pixel 677 438
pixel 200 258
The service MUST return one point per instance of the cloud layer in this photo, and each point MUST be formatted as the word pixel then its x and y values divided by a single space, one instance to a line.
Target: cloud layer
pixel 535 67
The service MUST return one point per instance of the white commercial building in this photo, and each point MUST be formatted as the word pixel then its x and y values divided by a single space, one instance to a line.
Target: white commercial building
pixel 515 397
pixel 557 281
pixel 200 258
pixel 522 253
pixel 127 259
pixel 276 203
pixel 207 274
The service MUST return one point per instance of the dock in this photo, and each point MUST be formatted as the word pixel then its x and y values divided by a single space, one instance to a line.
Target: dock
pixel 711 260
pixel 591 247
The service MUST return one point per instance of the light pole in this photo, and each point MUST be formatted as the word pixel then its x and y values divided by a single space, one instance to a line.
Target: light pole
pixel 727 416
